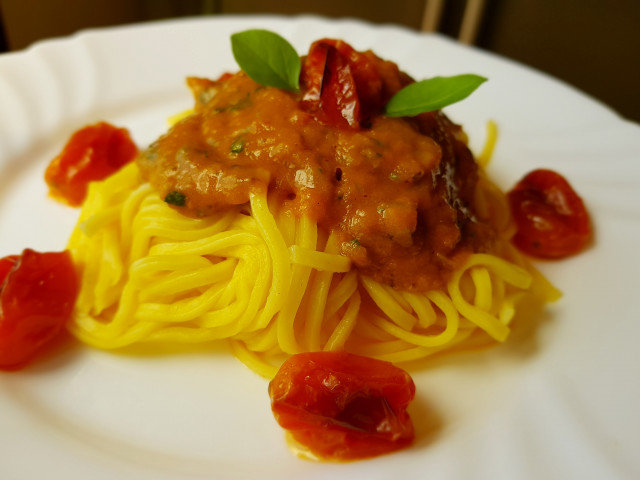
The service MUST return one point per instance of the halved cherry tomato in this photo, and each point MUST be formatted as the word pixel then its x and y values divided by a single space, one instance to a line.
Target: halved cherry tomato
pixel 339 98
pixel 341 85
pixel 92 153
pixel 342 406
pixel 551 219
pixel 37 294
pixel 366 76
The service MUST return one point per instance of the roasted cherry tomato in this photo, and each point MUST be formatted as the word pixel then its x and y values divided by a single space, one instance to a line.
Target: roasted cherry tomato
pixel 6 265
pixel 92 153
pixel 551 220
pixel 37 294
pixel 341 85
pixel 342 406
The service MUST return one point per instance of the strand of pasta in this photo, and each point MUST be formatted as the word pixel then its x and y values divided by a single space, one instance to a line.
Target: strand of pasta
pixel 317 300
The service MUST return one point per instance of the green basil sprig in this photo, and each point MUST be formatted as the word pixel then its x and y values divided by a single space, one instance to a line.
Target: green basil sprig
pixel 270 60
pixel 432 94
pixel 267 58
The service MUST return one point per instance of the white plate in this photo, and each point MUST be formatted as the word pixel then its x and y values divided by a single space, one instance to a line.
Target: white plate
pixel 558 400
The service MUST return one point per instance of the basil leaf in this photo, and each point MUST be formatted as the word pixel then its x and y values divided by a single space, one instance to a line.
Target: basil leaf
pixel 267 58
pixel 432 94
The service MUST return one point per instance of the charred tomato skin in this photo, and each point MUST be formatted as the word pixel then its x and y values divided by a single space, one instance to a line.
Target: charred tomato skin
pixel 340 85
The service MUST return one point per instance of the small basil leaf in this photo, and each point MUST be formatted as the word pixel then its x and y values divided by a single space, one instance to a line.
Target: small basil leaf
pixel 432 94
pixel 267 58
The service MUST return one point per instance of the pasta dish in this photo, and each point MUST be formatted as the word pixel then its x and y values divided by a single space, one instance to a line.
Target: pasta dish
pixel 261 219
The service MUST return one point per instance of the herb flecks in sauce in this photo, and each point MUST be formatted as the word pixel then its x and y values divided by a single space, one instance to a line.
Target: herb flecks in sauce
pixel 237 146
pixel 175 198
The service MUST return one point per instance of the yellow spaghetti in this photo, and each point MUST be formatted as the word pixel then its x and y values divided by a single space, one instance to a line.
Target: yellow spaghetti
pixel 273 284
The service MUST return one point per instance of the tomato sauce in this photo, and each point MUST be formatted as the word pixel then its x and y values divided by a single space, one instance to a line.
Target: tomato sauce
pixel 396 191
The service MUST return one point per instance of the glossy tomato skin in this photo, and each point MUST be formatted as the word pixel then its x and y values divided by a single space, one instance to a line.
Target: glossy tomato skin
pixel 341 86
pixel 342 406
pixel 312 74
pixel 36 299
pixel 551 219
pixel 340 102
pixel 92 153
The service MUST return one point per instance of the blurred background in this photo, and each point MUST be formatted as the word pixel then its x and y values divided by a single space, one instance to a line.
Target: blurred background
pixel 591 44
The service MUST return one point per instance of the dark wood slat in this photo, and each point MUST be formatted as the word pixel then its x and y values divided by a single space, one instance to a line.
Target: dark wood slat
pixel 3 37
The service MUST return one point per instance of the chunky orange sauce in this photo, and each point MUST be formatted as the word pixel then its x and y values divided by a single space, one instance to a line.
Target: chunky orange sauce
pixel 396 191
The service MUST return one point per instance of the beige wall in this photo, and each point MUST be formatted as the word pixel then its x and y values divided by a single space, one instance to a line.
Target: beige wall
pixel 592 44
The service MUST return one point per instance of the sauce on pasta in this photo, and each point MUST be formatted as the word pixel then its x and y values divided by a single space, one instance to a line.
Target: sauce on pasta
pixel 396 191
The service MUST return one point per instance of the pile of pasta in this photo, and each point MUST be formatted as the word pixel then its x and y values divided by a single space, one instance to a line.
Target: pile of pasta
pixel 273 284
